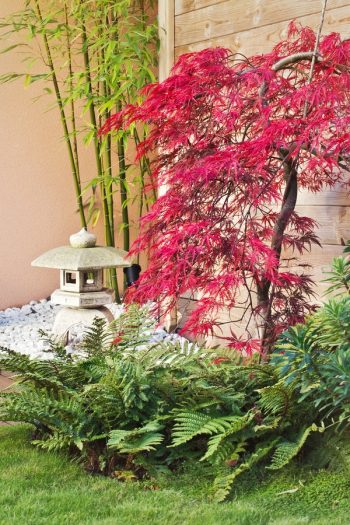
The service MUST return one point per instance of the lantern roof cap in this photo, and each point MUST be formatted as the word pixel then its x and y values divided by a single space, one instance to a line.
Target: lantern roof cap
pixel 83 254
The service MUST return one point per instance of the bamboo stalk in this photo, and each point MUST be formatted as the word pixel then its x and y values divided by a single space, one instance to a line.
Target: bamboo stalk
pixel 147 165
pixel 94 125
pixel 63 118
pixel 70 85
pixel 122 171
pixel 108 232
pixel 108 157
pixel 123 193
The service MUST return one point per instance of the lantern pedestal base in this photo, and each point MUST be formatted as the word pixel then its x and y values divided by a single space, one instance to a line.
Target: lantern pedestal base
pixel 69 317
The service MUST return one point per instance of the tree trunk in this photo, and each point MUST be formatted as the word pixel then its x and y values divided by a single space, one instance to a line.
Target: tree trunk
pixel 265 298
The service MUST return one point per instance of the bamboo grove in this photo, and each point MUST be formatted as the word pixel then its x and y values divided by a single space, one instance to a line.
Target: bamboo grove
pixel 92 58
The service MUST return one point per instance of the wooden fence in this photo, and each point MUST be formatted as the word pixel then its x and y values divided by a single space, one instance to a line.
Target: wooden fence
pixel 251 27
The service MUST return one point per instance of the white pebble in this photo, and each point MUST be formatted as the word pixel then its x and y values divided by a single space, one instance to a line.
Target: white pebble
pixel 26 309
pixel 19 329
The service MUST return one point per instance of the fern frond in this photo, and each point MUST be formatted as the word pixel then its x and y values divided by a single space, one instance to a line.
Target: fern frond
pixel 135 326
pixel 141 439
pixel 175 355
pixel 97 338
pixel 189 424
pixel 287 450
pixel 276 399
pixel 223 483
pixel 219 448
pixel 268 425
pixel 54 442
pixel 52 373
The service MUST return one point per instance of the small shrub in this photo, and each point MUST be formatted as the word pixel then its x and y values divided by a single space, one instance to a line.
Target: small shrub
pixel 127 406
pixel 314 357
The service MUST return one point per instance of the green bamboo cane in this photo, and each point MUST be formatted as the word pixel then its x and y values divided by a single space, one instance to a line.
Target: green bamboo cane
pixel 70 86
pixel 123 193
pixel 109 238
pixel 63 120
pixel 109 234
pixel 108 157
pixel 122 168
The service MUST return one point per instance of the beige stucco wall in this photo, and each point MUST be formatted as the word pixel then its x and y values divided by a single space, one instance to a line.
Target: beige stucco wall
pixel 37 201
pixel 37 207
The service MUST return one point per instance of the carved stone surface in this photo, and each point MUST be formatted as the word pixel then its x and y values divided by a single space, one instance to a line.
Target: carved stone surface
pixel 69 258
pixel 67 318
pixel 83 300
pixel 81 280
pixel 83 239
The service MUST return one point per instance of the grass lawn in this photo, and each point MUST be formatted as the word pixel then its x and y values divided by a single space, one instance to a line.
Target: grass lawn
pixel 38 487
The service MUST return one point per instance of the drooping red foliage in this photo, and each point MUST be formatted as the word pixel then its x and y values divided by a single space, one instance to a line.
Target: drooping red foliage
pixel 234 139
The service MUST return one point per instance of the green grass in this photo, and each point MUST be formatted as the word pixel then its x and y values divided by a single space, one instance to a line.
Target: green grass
pixel 38 487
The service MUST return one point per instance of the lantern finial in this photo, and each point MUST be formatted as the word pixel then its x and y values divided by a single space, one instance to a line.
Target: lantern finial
pixel 83 239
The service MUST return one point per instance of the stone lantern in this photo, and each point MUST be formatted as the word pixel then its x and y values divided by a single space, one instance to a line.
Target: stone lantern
pixel 81 289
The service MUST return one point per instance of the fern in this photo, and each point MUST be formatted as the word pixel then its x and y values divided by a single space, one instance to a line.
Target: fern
pixel 219 446
pixel 97 337
pixel 134 326
pixel 55 442
pixel 176 355
pixel 287 450
pixel 157 401
pixel 189 424
pixel 223 483
pixel 142 439
pixel 276 399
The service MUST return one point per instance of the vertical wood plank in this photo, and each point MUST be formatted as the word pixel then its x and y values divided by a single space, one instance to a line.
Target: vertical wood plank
pixel 166 21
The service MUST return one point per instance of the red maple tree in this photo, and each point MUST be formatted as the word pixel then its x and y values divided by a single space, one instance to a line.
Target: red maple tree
pixel 234 138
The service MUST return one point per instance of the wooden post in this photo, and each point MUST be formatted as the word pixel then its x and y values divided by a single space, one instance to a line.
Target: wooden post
pixel 166 21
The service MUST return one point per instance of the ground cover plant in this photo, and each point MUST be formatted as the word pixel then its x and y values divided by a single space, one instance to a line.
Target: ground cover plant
pixel 129 408
pixel 236 138
pixel 39 487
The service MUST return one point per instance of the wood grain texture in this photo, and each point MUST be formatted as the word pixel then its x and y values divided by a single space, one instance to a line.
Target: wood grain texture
pixel 233 17
pixel 233 320
pixel 319 261
pixel 337 196
pixel 251 27
pixel 333 222
pixel 184 6
pixel 262 39
pixel 166 23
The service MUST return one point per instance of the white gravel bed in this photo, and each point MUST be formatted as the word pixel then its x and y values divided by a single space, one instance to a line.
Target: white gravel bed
pixel 19 328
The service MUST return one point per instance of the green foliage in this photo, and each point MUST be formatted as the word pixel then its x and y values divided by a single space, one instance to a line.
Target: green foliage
pixel 314 357
pixel 138 440
pixel 39 488
pixel 339 276
pixel 223 483
pixel 125 401
pixel 276 399
pixel 287 450
pixel 92 59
